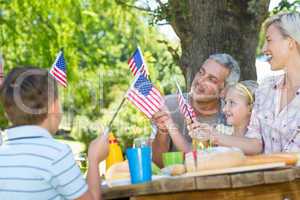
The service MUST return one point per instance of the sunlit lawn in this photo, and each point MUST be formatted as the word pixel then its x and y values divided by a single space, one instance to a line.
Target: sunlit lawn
pixel 76 146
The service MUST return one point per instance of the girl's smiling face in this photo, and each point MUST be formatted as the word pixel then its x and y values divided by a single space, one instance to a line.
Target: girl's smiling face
pixel 237 109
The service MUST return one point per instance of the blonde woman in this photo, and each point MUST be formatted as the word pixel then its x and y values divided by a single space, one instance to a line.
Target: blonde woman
pixel 275 120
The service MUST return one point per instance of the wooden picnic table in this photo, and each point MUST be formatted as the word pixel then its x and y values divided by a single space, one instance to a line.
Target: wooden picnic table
pixel 276 184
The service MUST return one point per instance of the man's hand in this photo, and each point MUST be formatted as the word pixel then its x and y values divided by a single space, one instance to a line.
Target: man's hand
pixel 163 120
pixel 98 149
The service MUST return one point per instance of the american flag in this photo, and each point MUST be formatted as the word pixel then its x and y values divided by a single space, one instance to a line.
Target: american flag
pixel 136 63
pixel 145 96
pixel 58 70
pixel 1 69
pixel 185 108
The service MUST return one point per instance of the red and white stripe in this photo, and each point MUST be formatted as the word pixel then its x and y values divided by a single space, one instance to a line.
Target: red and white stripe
pixel 59 75
pixel 147 104
pixel 185 108
pixel 134 69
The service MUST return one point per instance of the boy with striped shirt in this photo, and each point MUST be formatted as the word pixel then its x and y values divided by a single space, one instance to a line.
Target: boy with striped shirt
pixel 33 165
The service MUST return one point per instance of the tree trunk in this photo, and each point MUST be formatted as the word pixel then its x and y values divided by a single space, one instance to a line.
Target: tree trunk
pixel 217 26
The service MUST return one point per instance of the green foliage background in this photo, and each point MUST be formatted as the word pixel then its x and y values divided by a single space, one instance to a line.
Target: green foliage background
pixel 98 37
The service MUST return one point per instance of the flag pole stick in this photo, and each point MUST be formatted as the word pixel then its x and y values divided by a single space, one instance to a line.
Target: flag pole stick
pixel 108 128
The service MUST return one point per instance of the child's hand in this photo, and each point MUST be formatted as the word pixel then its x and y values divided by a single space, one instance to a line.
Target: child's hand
pixel 98 149
pixel 200 131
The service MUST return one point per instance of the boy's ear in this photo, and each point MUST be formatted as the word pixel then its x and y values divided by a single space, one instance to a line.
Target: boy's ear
pixel 53 106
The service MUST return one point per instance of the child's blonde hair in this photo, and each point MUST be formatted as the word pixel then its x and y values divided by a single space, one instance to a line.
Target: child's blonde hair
pixel 246 88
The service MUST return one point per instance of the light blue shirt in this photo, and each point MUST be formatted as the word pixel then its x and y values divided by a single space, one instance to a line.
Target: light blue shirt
pixel 34 166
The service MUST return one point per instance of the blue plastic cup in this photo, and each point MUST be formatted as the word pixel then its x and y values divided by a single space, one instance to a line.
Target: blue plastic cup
pixel 139 160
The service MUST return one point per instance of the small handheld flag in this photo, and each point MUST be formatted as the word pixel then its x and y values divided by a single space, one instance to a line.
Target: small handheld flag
pixel 145 96
pixel 58 70
pixel 137 64
pixel 185 108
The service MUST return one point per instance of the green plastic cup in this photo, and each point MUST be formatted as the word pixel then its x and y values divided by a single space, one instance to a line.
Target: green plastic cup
pixel 171 158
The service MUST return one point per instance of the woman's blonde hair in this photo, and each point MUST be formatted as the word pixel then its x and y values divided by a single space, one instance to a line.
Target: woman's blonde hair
pixel 288 24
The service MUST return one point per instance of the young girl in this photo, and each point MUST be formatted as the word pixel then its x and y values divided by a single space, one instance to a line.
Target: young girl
pixel 239 101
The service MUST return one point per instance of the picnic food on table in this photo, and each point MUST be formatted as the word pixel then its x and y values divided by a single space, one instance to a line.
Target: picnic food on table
pixel 287 158
pixel 219 160
pixel 174 170
pixel 298 158
pixel 207 159
pixel 121 171
pixel 214 158
pixel 118 171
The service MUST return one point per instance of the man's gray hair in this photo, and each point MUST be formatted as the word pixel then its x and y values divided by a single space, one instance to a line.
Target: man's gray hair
pixel 230 63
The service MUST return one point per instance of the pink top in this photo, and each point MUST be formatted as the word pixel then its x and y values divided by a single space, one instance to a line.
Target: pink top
pixel 278 130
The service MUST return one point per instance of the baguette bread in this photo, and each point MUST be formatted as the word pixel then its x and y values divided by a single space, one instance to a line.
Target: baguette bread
pixel 287 158
pixel 214 158
pixel 219 160
pixel 297 154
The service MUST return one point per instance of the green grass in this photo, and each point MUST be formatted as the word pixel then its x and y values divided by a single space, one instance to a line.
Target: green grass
pixel 76 146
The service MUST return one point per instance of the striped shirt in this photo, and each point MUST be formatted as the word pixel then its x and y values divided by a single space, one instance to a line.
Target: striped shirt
pixel 34 166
